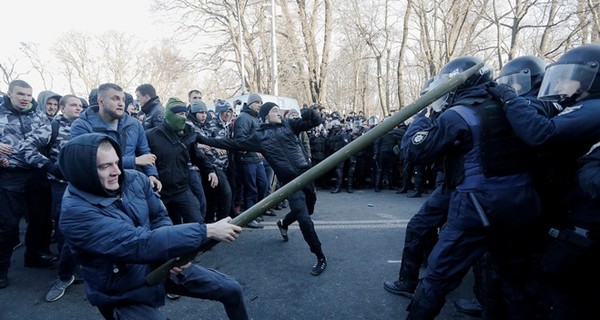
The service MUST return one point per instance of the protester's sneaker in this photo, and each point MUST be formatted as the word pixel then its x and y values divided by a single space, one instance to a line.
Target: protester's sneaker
pixel 400 288
pixel 319 267
pixel 283 231
pixel 58 290
pixel 254 225
pixel 269 213
pixel 173 296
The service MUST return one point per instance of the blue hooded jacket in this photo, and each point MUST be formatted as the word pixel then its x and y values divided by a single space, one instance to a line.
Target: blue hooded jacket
pixel 129 134
pixel 118 238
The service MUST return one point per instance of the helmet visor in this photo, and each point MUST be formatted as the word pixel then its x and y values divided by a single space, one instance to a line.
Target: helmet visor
pixel 520 81
pixel 441 103
pixel 564 80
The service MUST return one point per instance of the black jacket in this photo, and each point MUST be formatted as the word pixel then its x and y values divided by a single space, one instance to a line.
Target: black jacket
pixel 154 113
pixel 278 143
pixel 173 156
pixel 244 126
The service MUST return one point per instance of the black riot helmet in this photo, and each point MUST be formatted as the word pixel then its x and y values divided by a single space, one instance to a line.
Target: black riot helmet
pixel 575 73
pixel 525 74
pixel 461 64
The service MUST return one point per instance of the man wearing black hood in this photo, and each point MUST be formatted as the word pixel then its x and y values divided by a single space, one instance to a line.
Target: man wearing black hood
pixel 278 141
pixel 118 230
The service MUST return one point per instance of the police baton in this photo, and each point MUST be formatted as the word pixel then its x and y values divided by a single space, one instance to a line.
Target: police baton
pixel 479 209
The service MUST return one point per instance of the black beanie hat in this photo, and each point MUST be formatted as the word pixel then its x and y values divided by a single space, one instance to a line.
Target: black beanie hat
pixel 265 108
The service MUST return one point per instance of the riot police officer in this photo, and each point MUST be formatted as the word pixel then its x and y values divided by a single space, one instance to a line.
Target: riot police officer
pixel 493 204
pixel 573 81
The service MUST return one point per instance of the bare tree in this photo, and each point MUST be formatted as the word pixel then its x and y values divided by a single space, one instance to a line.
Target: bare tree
pixel 9 71
pixel 32 52
pixel 81 67
pixel 402 52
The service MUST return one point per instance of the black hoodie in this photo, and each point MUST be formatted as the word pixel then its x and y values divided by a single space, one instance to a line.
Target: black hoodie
pixel 78 164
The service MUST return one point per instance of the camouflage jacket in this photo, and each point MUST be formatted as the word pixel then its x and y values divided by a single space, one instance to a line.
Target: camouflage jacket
pixel 16 126
pixel 33 149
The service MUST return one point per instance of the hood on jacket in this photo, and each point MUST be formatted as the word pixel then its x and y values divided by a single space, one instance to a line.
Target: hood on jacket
pixel 246 109
pixel 93 97
pixel 77 162
pixel 43 98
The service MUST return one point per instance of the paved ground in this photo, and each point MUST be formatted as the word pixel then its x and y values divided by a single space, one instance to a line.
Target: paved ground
pixel 362 235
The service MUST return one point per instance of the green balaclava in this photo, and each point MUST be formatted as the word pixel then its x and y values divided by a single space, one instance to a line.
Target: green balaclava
pixel 174 106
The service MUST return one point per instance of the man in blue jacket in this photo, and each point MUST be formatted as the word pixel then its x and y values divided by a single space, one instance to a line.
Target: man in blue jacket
pixel 118 230
pixel 109 117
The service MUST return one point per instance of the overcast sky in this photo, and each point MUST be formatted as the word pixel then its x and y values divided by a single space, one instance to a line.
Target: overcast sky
pixel 43 21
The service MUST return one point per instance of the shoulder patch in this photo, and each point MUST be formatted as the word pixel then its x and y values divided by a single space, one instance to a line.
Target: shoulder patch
pixel 419 137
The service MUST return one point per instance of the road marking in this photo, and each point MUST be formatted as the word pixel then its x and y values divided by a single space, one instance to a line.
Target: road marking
pixel 357 224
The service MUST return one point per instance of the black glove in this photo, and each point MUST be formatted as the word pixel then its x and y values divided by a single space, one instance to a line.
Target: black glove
pixel 502 92
pixel 53 169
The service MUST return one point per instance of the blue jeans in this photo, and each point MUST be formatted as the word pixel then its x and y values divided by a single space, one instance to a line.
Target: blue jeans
pixel 196 282
pixel 254 181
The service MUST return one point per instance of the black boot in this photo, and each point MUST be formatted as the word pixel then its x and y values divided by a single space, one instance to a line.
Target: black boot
pixel 337 189
pixel 377 183
pixel 415 194
pixel 402 190
pixel 423 307
pixel 349 189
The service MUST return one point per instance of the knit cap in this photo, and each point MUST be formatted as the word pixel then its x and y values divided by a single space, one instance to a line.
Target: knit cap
pixel 292 112
pixel 198 106
pixel 222 106
pixel 253 98
pixel 265 108
pixel 174 106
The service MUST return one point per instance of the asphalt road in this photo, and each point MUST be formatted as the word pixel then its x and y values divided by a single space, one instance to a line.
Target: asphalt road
pixel 362 235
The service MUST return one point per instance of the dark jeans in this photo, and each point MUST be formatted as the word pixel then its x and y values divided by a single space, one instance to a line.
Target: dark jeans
pixel 196 282
pixel 198 190
pixel 254 181
pixel 218 199
pixel 38 199
pixel 24 193
pixel 12 208
pixel 66 261
pixel 302 205
pixel 183 207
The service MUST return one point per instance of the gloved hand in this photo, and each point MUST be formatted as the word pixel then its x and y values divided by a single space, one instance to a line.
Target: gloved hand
pixel 502 92
pixel 54 170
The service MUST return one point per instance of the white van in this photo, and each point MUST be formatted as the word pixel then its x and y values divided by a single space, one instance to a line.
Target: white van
pixel 284 103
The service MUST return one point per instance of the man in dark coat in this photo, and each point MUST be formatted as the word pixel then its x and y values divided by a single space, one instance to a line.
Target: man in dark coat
pixel 278 141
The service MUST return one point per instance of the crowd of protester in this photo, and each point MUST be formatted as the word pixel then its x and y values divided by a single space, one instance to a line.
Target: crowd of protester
pixel 506 169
